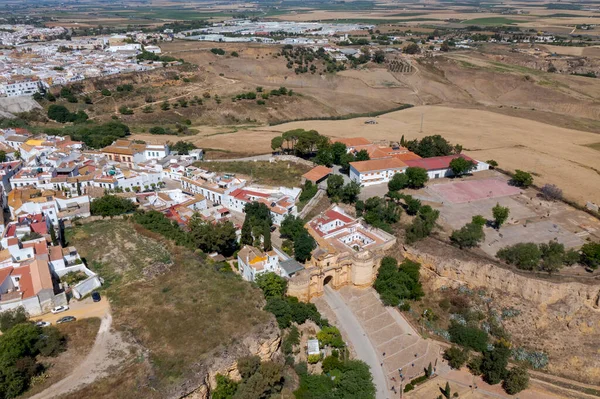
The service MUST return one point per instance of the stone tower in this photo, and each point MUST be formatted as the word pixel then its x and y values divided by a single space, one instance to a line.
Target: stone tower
pixel 363 268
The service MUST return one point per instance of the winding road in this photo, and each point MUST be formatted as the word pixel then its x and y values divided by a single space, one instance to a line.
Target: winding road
pixel 358 337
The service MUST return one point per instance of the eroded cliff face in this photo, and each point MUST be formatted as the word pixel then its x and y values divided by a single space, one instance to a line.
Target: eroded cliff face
pixel 264 344
pixel 558 316
pixel 476 273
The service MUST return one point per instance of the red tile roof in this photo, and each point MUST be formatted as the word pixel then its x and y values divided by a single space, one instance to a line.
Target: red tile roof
pixel 4 273
pixel 317 173
pixel 435 163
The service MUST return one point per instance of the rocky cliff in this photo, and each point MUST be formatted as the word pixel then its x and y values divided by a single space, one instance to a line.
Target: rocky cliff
pixel 558 316
pixel 454 267
pixel 264 343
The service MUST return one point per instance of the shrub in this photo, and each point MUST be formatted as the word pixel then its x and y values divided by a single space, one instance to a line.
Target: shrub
pixel 456 357
pixel 590 255
pixel 522 179
pixel 409 387
pixel 314 359
pixel 106 92
pixel 516 380
pixel 550 192
pixel 469 337
pixel 525 256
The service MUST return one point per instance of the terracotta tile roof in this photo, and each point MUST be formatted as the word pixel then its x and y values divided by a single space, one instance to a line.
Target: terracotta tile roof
pixel 317 173
pixel 40 275
pixel 4 273
pixel 25 281
pixel 55 254
pixel 407 156
pixel 378 164
pixel 436 163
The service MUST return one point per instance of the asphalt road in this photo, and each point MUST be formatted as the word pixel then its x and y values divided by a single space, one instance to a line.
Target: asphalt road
pixel 359 340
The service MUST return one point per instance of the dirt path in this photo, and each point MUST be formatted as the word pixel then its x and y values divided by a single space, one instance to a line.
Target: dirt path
pixel 106 353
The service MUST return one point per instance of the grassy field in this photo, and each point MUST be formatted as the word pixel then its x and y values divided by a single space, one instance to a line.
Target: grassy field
pixel 493 21
pixel 262 172
pixel 181 312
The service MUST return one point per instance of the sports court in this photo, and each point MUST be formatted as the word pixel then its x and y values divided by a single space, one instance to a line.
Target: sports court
pixel 473 190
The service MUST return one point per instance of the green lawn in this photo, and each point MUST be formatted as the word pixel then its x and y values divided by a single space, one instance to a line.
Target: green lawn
pixel 492 21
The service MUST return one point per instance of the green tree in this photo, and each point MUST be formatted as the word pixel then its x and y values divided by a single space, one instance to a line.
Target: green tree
pixel 3 157
pixel 500 214
pixel 362 155
pixel 338 150
pixel 495 361
pixel 417 177
pixel 12 317
pixel 349 193
pixel 330 336
pixel 412 48
pixel 111 205
pixel 394 283
pixel 59 113
pixel 456 357
pixel 468 236
pixel 379 57
pixel 516 380
pixel 467 336
pixel 303 247
pixel 165 106
pixel 461 166
pixel 398 182
pixel 522 179
pixel 213 237
pixel 525 256
pixel 431 146
pixel 271 284
pixel 267 246
pixel 590 255
pixel 277 143
pixel 334 187
pixel 324 157
pixel 422 225
pixel 291 227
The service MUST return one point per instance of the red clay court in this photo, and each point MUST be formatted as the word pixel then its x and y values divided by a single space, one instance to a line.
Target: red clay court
pixel 473 190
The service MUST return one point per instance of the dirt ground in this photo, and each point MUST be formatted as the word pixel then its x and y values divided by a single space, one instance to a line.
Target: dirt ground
pixel 556 155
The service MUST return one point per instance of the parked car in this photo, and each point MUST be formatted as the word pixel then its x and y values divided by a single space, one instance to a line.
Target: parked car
pixel 65 319
pixel 42 323
pixel 59 309
pixel 96 296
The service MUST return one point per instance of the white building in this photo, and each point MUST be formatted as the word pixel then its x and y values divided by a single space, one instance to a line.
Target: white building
pixel 375 171
pixel 22 88
pixel 253 262
pixel 438 167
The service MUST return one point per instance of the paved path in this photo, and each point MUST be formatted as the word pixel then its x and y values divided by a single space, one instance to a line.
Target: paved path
pixel 358 338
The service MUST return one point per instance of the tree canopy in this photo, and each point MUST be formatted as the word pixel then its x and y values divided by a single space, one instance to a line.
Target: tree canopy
pixel 417 177
pixel 395 283
pixel 111 205
pixel 461 166
pixel 432 146
pixel 522 179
